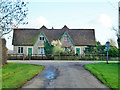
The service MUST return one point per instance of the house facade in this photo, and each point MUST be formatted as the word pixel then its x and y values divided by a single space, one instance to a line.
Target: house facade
pixel 32 41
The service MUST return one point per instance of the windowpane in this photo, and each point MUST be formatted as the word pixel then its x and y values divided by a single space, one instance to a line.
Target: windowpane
pixel 43 38
pixel 21 49
pixel 40 38
pixel 65 48
pixel 65 38
pixel 18 49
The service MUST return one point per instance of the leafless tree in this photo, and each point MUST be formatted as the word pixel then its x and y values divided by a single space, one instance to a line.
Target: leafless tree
pixel 12 13
pixel 118 37
pixel 112 42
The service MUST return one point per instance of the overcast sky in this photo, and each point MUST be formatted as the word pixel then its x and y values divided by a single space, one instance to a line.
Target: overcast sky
pixel 100 15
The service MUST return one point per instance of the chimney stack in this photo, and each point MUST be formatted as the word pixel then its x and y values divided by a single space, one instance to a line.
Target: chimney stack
pixel 52 28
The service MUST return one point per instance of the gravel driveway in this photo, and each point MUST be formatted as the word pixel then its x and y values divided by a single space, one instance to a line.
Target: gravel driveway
pixel 63 74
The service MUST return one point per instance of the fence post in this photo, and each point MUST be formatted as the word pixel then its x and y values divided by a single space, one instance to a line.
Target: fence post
pixel 23 56
pixel 29 56
pixel 42 56
pixel 16 56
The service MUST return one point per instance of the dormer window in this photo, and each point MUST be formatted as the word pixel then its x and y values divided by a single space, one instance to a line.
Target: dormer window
pixel 65 37
pixel 42 38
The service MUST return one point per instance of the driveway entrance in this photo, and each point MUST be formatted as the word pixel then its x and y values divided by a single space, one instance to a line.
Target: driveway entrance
pixel 63 74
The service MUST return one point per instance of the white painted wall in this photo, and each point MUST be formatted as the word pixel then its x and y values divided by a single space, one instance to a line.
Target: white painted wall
pixel 38 43
pixel 82 48
pixel 25 49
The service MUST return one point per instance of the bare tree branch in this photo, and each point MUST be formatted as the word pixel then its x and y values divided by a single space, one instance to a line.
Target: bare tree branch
pixel 12 13
pixel 6 32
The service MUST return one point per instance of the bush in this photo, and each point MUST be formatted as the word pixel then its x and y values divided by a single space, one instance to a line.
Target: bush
pixel 91 57
pixel 48 48
pixel 113 52
pixel 96 58
pixel 57 50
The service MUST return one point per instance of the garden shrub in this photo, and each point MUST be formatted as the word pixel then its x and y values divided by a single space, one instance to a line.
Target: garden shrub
pixel 57 50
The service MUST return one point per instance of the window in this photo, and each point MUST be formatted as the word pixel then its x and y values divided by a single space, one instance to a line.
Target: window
pixel 67 49
pixel 20 49
pixel 41 38
pixel 41 50
pixel 65 37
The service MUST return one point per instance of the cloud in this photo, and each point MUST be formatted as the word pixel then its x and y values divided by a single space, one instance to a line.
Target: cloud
pixel 38 22
pixel 105 20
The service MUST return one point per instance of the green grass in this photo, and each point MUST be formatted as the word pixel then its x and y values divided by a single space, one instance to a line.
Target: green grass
pixel 83 60
pixel 16 74
pixel 107 73
pixel 0 78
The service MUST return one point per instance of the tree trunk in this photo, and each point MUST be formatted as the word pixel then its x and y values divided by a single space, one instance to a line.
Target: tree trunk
pixel 3 51
pixel 119 46
pixel 0 52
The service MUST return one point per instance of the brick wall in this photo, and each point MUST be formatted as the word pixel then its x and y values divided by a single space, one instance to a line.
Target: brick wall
pixel 0 51
pixel 3 51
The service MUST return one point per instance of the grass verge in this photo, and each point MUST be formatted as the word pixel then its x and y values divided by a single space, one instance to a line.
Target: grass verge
pixel 107 73
pixel 16 74
pixel 82 60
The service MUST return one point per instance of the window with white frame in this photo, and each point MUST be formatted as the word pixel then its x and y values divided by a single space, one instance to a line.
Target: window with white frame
pixel 20 49
pixel 67 49
pixel 41 50
pixel 65 37
pixel 42 38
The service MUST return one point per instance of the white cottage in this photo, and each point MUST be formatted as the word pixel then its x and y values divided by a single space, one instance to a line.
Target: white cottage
pixel 27 40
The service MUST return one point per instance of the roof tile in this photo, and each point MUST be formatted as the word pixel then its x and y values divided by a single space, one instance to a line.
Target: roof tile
pixel 27 37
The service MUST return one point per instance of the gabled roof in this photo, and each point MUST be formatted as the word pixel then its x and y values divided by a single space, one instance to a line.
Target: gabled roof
pixel 65 28
pixel 27 37
pixel 43 27
pixel 41 33
pixel 68 37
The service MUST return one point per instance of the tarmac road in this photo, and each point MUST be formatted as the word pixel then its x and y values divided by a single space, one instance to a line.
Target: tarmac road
pixel 63 74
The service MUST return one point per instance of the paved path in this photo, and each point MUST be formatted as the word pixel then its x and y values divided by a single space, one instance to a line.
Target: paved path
pixel 63 74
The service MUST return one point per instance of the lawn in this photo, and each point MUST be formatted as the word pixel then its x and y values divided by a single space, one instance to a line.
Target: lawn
pixel 16 74
pixel 107 73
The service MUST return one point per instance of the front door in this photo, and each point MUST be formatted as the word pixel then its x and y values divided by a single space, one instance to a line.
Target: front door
pixel 77 50
pixel 30 51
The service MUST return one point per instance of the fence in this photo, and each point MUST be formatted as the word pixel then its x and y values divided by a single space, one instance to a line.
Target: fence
pixel 30 57
pixel 41 57
pixel 95 56
pixel 15 57
pixel 56 57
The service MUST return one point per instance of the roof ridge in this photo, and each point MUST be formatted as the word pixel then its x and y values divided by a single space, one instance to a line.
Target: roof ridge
pixel 43 27
pixel 49 29
pixel 26 29
pixel 65 27
pixel 81 29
